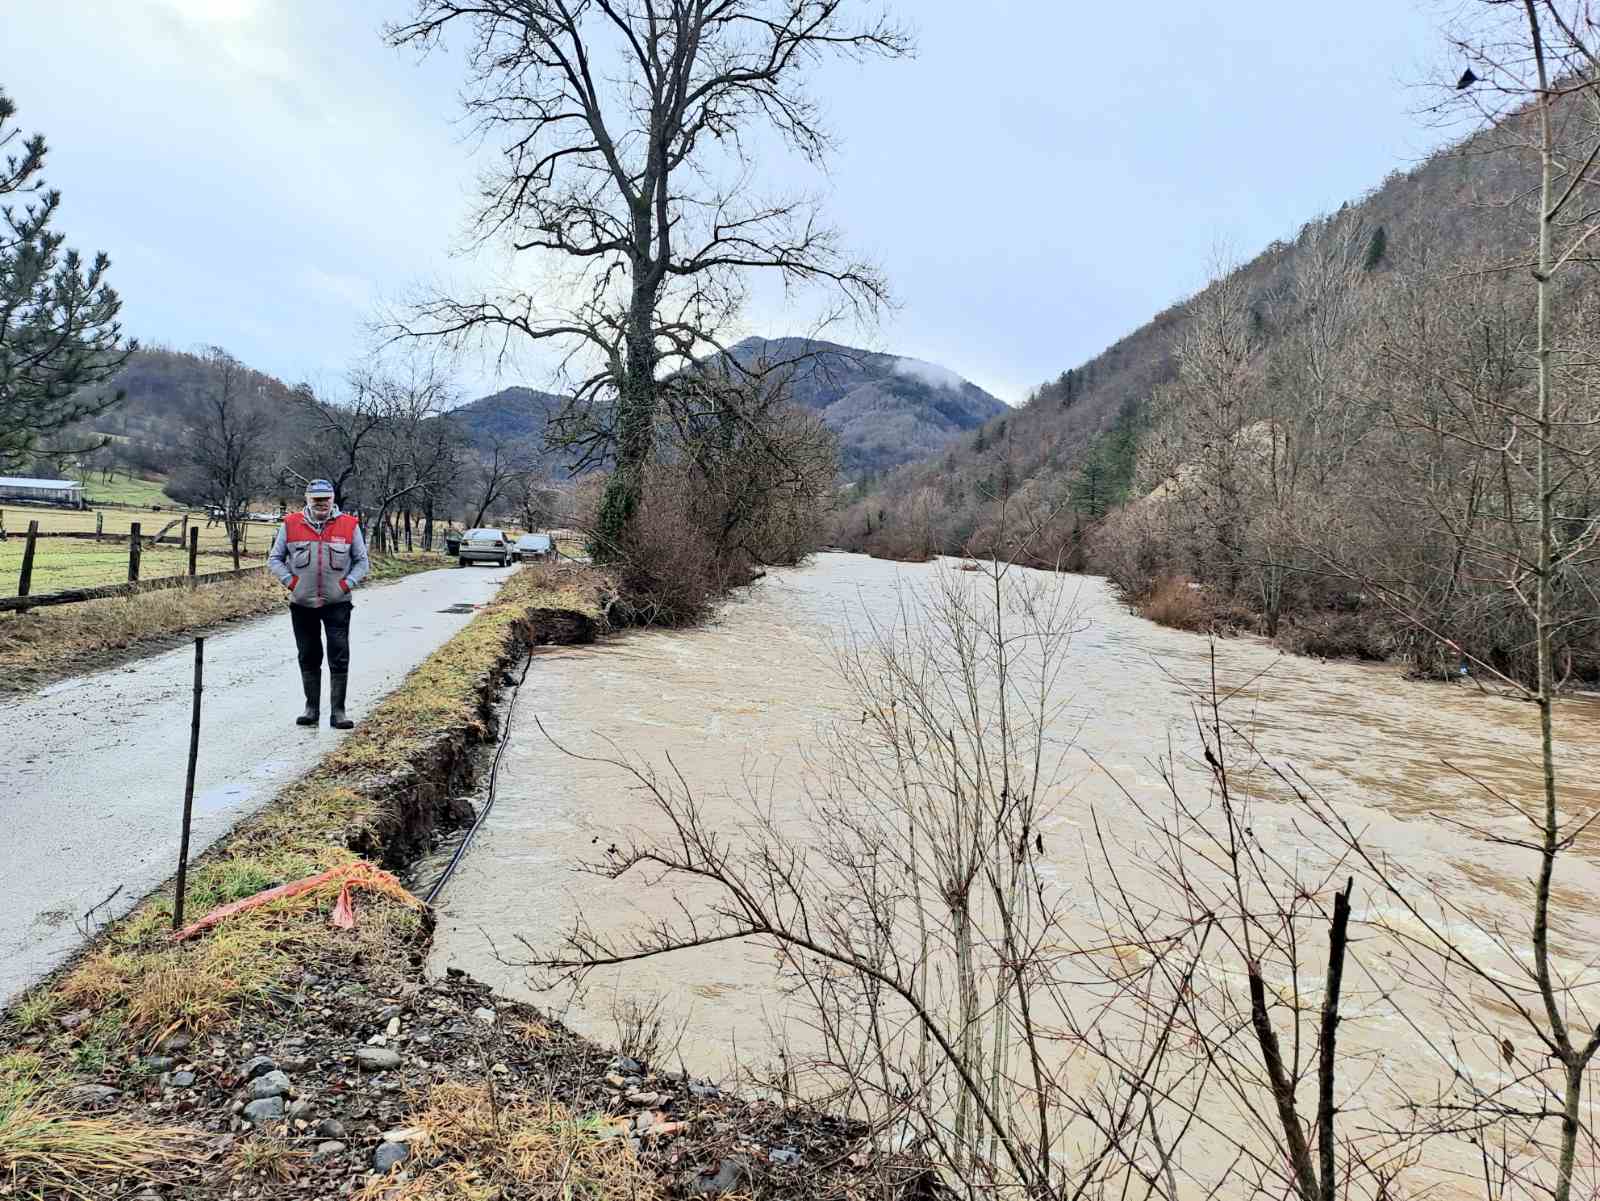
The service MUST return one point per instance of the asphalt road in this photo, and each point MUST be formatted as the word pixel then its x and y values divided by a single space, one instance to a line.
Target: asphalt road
pixel 92 768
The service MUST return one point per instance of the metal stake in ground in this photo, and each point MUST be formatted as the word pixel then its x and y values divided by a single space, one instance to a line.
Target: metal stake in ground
pixel 26 581
pixel 194 548
pixel 133 554
pixel 188 786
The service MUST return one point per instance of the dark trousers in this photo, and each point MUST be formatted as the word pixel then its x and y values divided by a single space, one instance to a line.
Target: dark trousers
pixel 308 626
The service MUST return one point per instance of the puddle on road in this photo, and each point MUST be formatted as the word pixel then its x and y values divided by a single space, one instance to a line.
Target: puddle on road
pixel 225 797
pixel 233 793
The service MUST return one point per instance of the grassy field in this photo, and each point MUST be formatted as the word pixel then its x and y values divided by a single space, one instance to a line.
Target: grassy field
pixel 258 535
pixel 123 491
pixel 60 563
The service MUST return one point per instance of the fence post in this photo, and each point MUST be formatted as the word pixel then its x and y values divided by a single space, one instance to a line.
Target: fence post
pixel 185 537
pixel 194 548
pixel 26 581
pixel 133 553
pixel 99 523
pixel 188 784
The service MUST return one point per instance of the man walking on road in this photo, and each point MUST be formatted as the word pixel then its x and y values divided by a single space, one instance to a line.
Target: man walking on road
pixel 320 556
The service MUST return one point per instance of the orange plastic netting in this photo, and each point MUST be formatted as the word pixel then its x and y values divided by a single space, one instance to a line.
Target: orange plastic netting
pixel 342 879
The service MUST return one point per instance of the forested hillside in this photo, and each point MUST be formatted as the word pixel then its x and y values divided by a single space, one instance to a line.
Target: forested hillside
pixel 1328 440
pixel 516 417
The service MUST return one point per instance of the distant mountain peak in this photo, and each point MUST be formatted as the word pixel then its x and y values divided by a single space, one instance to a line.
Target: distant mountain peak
pixel 887 409
pixel 931 374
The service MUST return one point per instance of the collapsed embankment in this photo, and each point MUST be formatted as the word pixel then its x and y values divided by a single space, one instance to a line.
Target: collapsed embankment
pixel 276 1053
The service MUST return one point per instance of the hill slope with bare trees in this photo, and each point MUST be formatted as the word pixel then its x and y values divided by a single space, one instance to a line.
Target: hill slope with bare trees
pixel 1327 443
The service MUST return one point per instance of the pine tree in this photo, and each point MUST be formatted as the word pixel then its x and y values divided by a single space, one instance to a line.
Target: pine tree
pixel 1376 247
pixel 60 339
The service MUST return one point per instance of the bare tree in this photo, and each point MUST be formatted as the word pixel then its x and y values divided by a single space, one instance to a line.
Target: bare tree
pixel 626 162
pixel 230 451
pixel 341 433
pixel 495 478
pixel 1546 59
pixel 538 501
pixel 408 456
pixel 1202 450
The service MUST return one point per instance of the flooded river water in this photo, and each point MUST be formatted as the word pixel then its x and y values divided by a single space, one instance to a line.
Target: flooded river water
pixel 741 702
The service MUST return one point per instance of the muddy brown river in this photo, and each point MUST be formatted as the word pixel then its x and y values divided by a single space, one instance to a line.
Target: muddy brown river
pixel 742 704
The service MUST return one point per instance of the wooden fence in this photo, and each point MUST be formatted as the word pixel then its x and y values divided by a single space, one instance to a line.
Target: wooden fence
pixel 72 596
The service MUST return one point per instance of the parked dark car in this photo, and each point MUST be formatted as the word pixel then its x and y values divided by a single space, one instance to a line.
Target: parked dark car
pixel 532 547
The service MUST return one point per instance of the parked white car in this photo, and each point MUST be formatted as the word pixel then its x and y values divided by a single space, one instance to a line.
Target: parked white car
pixel 485 546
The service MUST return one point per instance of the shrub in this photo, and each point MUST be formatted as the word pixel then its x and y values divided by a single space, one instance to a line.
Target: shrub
pixel 1337 636
pixel 669 570
pixel 1177 602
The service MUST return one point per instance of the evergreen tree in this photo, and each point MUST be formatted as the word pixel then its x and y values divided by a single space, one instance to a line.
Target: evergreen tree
pixel 1376 248
pixel 60 339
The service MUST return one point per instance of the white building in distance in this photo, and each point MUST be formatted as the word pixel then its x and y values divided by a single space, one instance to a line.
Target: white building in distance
pixel 57 492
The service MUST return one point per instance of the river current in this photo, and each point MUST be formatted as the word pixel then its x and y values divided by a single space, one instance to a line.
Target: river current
pixel 740 706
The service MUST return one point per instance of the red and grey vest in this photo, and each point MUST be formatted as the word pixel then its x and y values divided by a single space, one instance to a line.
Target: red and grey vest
pixel 319 559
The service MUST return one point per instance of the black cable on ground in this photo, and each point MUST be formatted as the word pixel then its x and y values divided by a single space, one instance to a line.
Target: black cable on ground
pixel 494 775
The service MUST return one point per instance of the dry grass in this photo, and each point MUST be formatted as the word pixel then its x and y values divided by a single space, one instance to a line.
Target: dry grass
pixel 152 987
pixel 262 1158
pixel 51 639
pixel 404 563
pixel 1172 601
pixel 44 1147
pixel 526 1149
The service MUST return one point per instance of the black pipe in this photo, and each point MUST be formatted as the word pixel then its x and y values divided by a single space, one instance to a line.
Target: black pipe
pixel 494 775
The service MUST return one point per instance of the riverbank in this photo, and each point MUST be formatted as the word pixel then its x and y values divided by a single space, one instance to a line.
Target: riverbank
pixel 1178 603
pixel 278 1053
pixel 42 646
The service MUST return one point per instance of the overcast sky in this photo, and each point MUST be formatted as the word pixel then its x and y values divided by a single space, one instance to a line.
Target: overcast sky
pixel 1037 182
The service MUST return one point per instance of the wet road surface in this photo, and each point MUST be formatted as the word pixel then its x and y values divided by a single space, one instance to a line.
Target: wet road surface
pixel 91 781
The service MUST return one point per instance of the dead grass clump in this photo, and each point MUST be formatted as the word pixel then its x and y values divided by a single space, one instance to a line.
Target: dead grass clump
pixel 522 1148
pixel 35 1011
pixel 551 584
pixel 160 991
pixel 45 1148
pixel 1176 602
pixel 263 1158
pixel 155 987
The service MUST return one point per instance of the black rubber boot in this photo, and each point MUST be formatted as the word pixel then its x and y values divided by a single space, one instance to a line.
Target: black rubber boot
pixel 336 717
pixel 313 686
